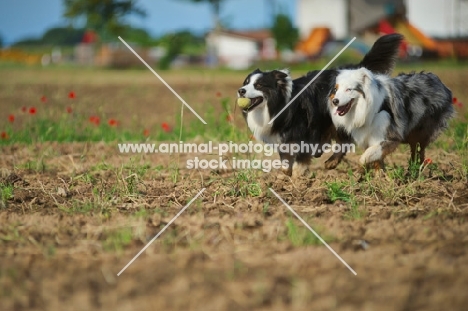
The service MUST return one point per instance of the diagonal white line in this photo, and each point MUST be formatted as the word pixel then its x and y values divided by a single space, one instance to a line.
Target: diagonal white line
pixel 160 232
pixel 162 80
pixel 313 79
pixel 312 230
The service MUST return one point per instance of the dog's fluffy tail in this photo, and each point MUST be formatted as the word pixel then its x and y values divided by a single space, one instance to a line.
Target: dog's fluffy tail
pixel 383 55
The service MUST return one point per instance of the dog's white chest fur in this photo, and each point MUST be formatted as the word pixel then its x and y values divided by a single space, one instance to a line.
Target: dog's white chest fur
pixel 257 120
pixel 373 132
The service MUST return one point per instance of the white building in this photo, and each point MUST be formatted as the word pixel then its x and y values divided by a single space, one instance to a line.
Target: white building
pixel 437 18
pixel 318 13
pixel 240 49
pixel 343 17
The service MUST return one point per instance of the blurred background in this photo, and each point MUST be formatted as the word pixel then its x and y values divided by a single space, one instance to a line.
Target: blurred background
pixel 235 34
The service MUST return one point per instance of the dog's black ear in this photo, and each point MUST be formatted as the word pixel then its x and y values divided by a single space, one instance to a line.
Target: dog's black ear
pixel 280 74
pixel 257 70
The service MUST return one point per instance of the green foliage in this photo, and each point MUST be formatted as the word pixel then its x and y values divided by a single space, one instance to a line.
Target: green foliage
pixel 116 240
pixel 301 236
pixel 285 34
pixel 175 44
pixel 62 36
pixel 354 211
pixel 139 36
pixel 106 17
pixel 244 184
pixel 6 193
pixel 67 129
pixel 46 126
pixel 335 192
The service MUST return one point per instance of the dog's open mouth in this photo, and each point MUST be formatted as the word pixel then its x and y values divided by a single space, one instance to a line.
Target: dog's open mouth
pixel 342 110
pixel 254 102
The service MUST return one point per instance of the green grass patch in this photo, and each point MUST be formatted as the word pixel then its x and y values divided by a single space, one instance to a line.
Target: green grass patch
pixel 116 240
pixel 299 235
pixel 244 184
pixel 6 193
pixel 49 126
pixel 335 192
pixel 340 191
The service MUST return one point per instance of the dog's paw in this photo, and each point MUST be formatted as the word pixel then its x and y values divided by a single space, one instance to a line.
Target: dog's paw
pixel 287 171
pixel 333 161
pixel 371 155
pixel 299 170
pixel 376 168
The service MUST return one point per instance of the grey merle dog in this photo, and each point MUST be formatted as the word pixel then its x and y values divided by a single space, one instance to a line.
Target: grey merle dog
pixel 380 112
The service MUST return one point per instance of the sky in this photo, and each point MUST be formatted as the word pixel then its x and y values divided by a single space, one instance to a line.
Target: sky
pixel 20 19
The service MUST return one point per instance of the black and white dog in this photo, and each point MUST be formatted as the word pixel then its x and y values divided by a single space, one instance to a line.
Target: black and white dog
pixel 307 118
pixel 380 112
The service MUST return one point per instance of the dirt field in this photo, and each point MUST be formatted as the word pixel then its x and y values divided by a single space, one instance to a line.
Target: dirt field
pixel 79 212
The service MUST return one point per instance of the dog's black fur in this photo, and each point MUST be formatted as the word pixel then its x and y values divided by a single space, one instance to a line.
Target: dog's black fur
pixel 307 119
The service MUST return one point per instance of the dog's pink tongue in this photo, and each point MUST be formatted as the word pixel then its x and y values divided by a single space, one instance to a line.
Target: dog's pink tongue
pixel 340 110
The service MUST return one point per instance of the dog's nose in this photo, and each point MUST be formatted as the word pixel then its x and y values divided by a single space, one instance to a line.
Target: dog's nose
pixel 335 101
pixel 241 91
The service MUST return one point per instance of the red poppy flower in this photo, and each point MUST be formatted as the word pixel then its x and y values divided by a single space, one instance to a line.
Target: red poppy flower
pixel 11 118
pixel 24 109
pixel 95 120
pixel 427 161
pixel 229 118
pixel 166 127
pixel 72 95
pixel 44 99
pixel 218 94
pixel 32 110
pixel 112 122
pixel 146 132
pixel 4 135
pixel 69 110
pixel 454 100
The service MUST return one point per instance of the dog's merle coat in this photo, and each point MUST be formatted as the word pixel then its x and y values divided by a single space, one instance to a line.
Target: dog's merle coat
pixel 380 112
pixel 307 118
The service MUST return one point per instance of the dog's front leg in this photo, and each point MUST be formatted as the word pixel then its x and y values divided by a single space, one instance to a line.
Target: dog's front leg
pixel 377 153
pixel 290 159
pixel 341 140
pixel 301 164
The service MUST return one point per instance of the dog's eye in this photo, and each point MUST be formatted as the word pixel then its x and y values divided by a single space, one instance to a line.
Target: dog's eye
pixel 348 90
pixel 334 90
pixel 257 85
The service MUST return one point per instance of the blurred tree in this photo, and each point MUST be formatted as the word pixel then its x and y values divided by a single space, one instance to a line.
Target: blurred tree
pixel 139 36
pixel 284 32
pixel 175 44
pixel 216 8
pixel 105 17
pixel 1 41
pixel 62 36
pixel 55 36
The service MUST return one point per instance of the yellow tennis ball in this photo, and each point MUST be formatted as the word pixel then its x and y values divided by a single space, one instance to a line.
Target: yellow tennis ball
pixel 243 102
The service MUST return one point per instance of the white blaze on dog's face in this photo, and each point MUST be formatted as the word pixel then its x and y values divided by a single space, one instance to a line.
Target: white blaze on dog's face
pixel 260 86
pixel 250 90
pixel 268 92
pixel 348 96
pixel 347 89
